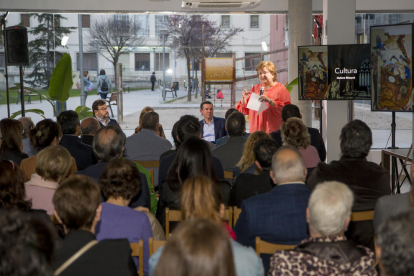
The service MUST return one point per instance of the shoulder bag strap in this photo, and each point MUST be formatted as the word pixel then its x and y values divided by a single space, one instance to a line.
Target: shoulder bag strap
pixel 75 256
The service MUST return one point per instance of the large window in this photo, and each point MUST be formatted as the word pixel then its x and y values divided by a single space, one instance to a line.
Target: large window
pixel 250 62
pixel 86 21
pixel 160 23
pixel 142 62
pixel 224 55
pixel 143 21
pixel 254 22
pixel 121 17
pixel 158 61
pixel 25 19
pixel 225 21
pixel 89 61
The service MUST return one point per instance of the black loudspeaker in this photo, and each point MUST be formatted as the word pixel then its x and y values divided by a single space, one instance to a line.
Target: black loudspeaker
pixel 17 46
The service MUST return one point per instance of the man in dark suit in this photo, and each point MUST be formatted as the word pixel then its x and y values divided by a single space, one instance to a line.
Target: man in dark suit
pixel 109 145
pixel 292 111
pixel 89 127
pixel 77 206
pixel 247 185
pixel 212 128
pixel 223 139
pixel 187 126
pixel 70 126
pixel 278 216
pixel 231 152
pixel 367 180
pixel 101 113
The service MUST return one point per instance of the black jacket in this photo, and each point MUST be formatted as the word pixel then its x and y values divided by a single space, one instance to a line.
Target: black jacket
pixel 316 141
pixel 83 154
pixel 13 155
pixel 108 257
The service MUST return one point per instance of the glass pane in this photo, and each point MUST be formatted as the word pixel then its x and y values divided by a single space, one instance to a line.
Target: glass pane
pixel 142 62
pixel 254 21
pixel 225 21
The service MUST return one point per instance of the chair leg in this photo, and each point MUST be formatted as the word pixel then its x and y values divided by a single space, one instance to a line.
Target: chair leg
pixel 110 107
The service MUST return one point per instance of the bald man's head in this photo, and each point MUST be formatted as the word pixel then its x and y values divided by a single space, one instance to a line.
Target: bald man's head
pixel 90 126
pixel 288 166
pixel 109 143
pixel 27 126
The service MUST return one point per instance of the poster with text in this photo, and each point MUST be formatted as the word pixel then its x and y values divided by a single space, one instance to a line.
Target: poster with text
pixel 392 66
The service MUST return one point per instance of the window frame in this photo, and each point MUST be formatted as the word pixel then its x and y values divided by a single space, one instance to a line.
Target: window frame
pixel 138 68
pixel 258 22
pixel 221 21
pixel 23 21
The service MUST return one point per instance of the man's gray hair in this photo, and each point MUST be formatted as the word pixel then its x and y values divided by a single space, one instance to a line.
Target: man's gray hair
pixel 330 205
pixel 288 165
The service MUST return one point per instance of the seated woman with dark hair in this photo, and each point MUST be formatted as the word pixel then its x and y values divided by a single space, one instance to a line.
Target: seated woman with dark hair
pixel 198 247
pixel 46 133
pixel 120 181
pixel 201 199
pixel 193 158
pixel 11 142
pixel 294 133
pixel 52 166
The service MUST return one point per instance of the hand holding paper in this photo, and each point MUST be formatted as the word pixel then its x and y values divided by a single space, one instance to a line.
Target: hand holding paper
pixel 255 105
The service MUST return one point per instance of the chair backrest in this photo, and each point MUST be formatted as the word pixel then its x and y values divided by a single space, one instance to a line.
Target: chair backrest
pixel 236 214
pixel 150 165
pixel 175 215
pixel 362 216
pixel 155 245
pixel 54 219
pixel 113 98
pixel 263 247
pixel 137 250
pixel 228 175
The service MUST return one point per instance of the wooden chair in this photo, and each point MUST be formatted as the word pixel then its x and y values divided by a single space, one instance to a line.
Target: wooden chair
pixel 362 216
pixel 173 90
pixel 113 98
pixel 150 166
pixel 155 245
pixel 175 215
pixel 137 250
pixel 54 220
pixel 263 247
pixel 236 214
pixel 228 175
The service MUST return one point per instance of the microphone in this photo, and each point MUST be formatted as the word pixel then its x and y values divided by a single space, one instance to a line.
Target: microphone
pixel 261 90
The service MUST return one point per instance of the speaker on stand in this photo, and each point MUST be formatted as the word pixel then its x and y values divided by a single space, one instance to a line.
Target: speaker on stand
pixel 17 53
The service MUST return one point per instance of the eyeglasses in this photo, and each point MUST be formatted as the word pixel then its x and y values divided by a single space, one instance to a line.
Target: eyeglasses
pixel 103 108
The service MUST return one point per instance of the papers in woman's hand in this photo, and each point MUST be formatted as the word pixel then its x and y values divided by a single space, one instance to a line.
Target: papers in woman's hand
pixel 255 105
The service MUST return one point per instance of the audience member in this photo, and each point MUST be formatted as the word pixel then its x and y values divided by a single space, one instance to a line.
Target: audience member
pixel 26 244
pixel 27 143
pixel 52 166
pixel 147 145
pixel 212 128
pixel 395 249
pixel 246 184
pixel 292 111
pixel 120 182
pixel 89 127
pixel 223 139
pixel 294 133
pixel 198 247
pixel 367 180
pixel 201 199
pixel 138 129
pixel 188 126
pixel 108 145
pixel 247 161
pixel 12 192
pixel 193 158
pixel 46 133
pixel 278 216
pixel 231 152
pixel 101 113
pixel 77 206
pixel 390 205
pixel 70 126
pixel 327 251
pixel 11 143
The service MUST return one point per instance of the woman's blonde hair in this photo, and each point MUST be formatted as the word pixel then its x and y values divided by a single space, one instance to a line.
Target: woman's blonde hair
pixel 295 133
pixel 53 163
pixel 201 198
pixel 248 156
pixel 270 66
pixel 198 247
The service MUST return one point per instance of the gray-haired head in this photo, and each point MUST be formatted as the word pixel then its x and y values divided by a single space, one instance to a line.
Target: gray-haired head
pixel 330 207
pixel 288 166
